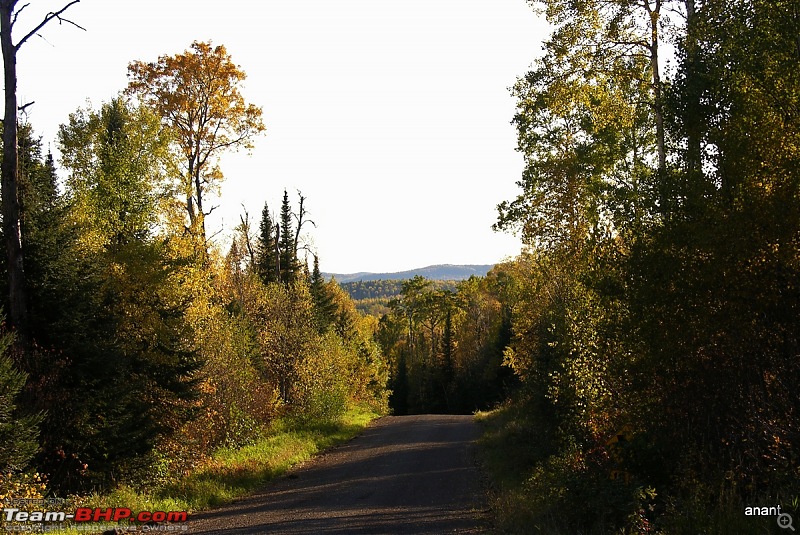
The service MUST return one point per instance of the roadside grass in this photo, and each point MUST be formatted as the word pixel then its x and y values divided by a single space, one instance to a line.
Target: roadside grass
pixel 506 454
pixel 506 445
pixel 234 473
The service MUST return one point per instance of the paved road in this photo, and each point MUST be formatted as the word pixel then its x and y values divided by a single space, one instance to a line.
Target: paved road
pixel 404 475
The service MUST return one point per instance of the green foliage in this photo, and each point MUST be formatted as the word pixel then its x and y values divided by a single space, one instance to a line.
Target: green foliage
pixel 118 159
pixel 324 305
pixel 267 248
pixel 231 473
pixel 18 433
pixel 653 318
pixel 446 347
pixel 122 385
pixel 112 364
pixel 287 248
pixel 360 290
pixel 372 297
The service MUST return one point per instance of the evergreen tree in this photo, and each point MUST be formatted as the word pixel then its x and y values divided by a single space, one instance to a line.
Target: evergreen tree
pixel 287 258
pixel 267 248
pixel 448 347
pixel 325 308
pixel 17 434
pixel 42 213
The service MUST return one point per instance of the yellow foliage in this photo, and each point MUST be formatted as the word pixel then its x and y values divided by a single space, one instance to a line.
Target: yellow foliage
pixel 197 94
pixel 21 486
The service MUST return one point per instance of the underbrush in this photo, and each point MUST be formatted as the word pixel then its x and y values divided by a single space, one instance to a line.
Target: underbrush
pixel 540 484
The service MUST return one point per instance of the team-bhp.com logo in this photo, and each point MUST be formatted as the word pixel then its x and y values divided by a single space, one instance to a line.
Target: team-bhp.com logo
pixel 95 514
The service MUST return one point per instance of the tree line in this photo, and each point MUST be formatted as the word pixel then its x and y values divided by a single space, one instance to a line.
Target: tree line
pixel 445 347
pixel 144 347
pixel 386 289
pixel 373 297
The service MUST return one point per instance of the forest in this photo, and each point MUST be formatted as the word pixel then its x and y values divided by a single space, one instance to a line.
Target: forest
pixel 636 367
pixel 136 347
pixel 372 297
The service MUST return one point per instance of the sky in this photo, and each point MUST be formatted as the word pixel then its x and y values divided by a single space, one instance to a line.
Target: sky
pixel 392 117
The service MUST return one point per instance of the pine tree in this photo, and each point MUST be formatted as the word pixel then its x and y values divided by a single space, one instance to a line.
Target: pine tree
pixel 17 434
pixel 287 257
pixel 267 249
pixel 324 307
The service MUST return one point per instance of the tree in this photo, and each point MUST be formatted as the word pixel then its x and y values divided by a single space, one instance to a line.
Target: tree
pixel 12 230
pixel 113 363
pixel 324 307
pixel 677 324
pixel 587 130
pixel 287 257
pixel 48 235
pixel 17 434
pixel 243 239
pixel 267 248
pixel 302 218
pixel 118 159
pixel 198 95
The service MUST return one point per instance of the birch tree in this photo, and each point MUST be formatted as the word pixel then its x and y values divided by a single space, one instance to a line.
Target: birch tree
pixel 198 95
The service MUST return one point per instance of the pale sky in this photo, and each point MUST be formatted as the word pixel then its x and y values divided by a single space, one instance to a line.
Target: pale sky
pixel 391 117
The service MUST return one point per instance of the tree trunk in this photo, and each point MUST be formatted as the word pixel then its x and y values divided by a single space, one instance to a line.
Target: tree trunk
pixel 17 308
pixel 655 15
pixel 277 253
pixel 693 119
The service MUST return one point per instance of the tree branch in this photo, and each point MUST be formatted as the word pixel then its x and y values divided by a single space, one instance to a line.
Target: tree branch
pixel 50 16
pixel 16 15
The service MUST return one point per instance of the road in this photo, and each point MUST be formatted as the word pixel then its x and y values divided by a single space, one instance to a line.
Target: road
pixel 404 475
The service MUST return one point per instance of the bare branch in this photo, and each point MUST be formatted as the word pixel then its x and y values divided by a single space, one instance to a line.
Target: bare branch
pixel 16 15
pixel 188 231
pixel 62 20
pixel 50 16
pixel 24 106
pixel 246 231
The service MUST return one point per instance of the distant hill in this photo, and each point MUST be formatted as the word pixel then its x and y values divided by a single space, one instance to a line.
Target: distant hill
pixel 385 289
pixel 439 272
pixel 372 292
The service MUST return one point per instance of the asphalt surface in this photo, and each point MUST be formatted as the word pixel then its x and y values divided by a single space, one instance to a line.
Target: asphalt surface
pixel 404 475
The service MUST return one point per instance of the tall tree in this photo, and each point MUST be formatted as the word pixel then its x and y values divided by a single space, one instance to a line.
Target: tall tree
pixel 288 249
pixel 12 231
pixel 267 248
pixel 198 95
pixel 688 334
pixel 302 218
pixel 324 307
pixel 118 159
pixel 48 236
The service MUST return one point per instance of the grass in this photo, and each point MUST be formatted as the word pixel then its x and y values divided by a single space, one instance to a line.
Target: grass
pixel 506 445
pixel 507 455
pixel 234 473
